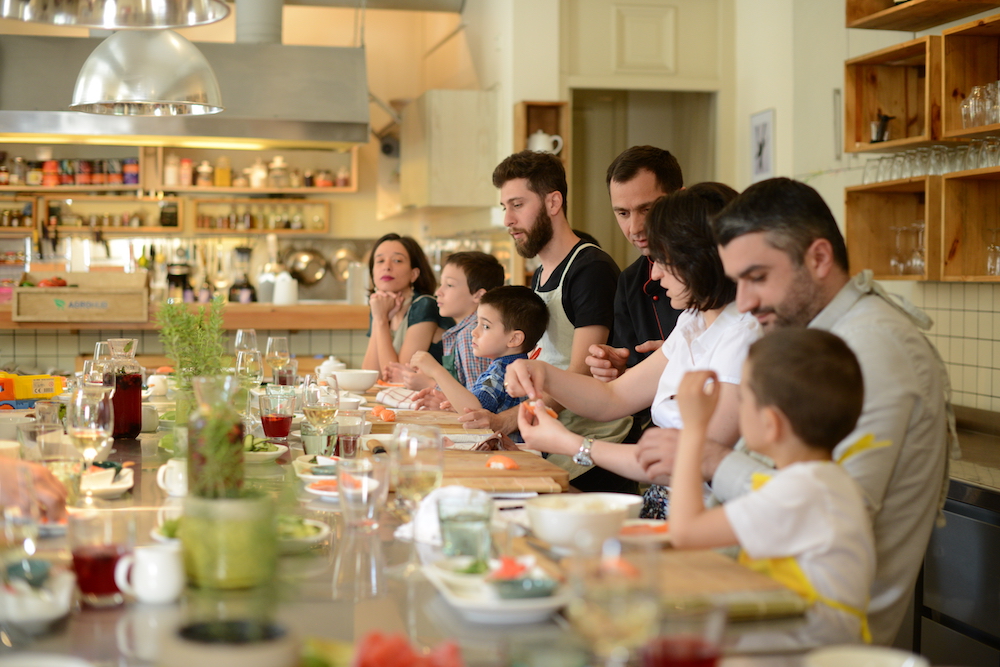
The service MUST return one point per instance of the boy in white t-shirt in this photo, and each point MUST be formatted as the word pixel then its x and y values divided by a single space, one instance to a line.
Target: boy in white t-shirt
pixel 806 525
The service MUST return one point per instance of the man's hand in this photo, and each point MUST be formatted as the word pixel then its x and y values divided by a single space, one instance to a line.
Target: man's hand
pixel 606 362
pixel 656 452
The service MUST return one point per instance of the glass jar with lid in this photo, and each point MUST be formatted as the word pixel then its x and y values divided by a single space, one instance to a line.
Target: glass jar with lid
pixel 171 170
pixel 205 174
pixel 277 175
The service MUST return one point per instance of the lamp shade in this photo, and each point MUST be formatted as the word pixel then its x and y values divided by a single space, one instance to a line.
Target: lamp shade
pixel 116 14
pixel 146 73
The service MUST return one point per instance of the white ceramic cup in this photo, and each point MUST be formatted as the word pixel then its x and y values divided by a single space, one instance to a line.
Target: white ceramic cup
pixel 157 385
pixel 139 632
pixel 172 477
pixel 153 574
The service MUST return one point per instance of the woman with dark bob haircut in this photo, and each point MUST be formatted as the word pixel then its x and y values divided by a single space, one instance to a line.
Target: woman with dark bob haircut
pixel 710 334
pixel 404 313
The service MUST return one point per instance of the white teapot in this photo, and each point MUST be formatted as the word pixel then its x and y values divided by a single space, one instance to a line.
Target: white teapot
pixel 545 143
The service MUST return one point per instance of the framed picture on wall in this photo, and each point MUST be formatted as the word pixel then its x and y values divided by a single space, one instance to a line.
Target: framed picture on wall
pixel 762 145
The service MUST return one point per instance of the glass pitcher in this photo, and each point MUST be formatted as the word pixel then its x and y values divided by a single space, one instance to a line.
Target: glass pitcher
pixel 215 439
pixel 127 379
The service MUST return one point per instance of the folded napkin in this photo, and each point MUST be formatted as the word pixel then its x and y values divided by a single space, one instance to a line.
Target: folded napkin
pixel 426 517
pixel 397 397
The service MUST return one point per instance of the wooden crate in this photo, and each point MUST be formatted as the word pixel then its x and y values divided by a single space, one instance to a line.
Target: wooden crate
pixel 971 202
pixel 911 16
pixel 95 297
pixel 971 58
pixel 903 81
pixel 871 211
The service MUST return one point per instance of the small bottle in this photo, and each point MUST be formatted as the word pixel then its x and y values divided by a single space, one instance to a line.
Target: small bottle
pixel 223 173
pixel 19 173
pixel 34 173
pixel 186 173
pixel 343 177
pixel 171 171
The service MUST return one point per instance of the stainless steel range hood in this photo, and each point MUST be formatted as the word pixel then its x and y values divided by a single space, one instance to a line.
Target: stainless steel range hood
pixel 275 96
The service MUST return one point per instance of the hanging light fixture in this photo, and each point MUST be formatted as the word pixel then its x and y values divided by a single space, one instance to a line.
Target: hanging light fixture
pixel 146 73
pixel 116 14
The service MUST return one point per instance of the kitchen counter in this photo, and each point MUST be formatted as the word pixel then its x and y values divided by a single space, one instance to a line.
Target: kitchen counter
pixel 979 467
pixel 304 316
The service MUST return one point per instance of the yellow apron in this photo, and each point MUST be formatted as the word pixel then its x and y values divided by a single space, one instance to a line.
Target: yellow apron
pixel 787 571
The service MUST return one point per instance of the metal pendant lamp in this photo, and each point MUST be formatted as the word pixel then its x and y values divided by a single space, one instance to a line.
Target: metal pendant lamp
pixel 146 73
pixel 116 14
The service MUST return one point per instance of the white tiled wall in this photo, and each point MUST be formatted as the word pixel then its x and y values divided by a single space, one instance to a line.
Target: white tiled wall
pixel 46 350
pixel 966 332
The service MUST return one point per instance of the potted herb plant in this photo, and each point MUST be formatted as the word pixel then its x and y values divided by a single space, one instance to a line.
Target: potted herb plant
pixel 229 535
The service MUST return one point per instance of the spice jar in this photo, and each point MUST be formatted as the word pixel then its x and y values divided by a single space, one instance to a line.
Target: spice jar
pixel 50 173
pixel 113 167
pixel 171 171
pixel 19 173
pixel 223 173
pixel 343 177
pixel 324 179
pixel 185 173
pixel 205 172
pixel 277 175
pixel 34 174
pixel 67 172
pixel 4 175
pixel 130 171
pixel 83 170
pixel 98 175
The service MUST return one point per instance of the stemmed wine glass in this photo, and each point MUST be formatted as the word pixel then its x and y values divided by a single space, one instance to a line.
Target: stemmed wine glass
pixel 250 370
pixel 319 404
pixel 89 422
pixel 277 354
pixel 417 469
pixel 246 339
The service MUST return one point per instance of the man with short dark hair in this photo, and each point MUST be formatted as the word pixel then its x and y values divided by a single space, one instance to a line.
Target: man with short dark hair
pixel 643 317
pixel 780 243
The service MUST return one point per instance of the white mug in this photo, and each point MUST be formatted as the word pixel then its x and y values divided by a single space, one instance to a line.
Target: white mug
pixel 152 574
pixel 140 631
pixel 172 477
pixel 540 142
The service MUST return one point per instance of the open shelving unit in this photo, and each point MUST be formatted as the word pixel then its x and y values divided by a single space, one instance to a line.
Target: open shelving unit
pixel 911 16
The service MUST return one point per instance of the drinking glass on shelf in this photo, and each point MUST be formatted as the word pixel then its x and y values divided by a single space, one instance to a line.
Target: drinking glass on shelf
pixel 276 417
pixel 915 264
pixel 921 162
pixel 938 164
pixel 977 109
pixel 959 156
pixel 973 157
pixel 277 354
pixel 909 160
pixel 992 254
pixel 990 155
pixel 898 163
pixel 89 422
pixel 871 171
pixel 246 339
pixel 884 168
pixel 897 263
pixel 966 109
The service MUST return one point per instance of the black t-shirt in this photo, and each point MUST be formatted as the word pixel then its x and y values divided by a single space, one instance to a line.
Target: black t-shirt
pixel 642 310
pixel 588 296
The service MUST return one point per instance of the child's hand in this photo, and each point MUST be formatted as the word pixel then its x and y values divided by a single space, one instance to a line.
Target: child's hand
pixel 429 399
pixel 544 432
pixel 525 377
pixel 697 396
pixel 424 362
pixel 411 379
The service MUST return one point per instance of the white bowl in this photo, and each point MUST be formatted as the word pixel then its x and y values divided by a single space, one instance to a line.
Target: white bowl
pixel 581 520
pixel 9 419
pixel 356 379
pixel 863 656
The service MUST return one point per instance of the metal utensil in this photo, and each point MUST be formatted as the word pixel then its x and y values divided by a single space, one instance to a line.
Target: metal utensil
pixel 306 266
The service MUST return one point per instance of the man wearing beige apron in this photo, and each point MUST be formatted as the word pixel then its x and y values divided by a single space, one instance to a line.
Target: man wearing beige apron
pixel 577 281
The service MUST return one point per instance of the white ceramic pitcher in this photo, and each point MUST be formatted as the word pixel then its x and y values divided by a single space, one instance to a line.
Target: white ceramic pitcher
pixel 540 142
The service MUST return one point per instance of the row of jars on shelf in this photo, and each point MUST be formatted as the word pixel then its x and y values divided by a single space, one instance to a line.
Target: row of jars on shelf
pixel 933 161
pixel 49 173
pixel 255 217
pixel 17 217
pixel 62 215
pixel 181 172
pixel 982 106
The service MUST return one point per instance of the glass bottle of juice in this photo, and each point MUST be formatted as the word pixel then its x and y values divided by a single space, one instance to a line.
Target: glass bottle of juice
pixel 126 373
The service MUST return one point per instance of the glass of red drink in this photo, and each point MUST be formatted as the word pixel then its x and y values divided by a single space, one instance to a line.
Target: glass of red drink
pixel 276 417
pixel 687 638
pixel 98 539
pixel 351 425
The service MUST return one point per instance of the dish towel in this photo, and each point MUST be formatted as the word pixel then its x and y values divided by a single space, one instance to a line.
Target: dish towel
pixel 397 397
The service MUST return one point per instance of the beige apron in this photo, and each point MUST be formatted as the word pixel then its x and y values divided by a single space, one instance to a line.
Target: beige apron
pixel 556 348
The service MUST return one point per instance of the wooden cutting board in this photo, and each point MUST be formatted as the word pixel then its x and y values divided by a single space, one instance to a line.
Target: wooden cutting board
pixel 465 464
pixel 446 421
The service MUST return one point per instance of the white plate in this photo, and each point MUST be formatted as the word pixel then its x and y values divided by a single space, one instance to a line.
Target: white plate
pixel 263 457
pixel 125 481
pixel 645 538
pixel 309 478
pixel 42 660
pixel 325 495
pixel 863 656
pixel 295 545
pixel 355 396
pixel 479 604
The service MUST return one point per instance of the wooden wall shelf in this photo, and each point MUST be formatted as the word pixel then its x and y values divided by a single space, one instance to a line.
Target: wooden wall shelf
pixel 903 81
pixel 971 202
pixel 971 57
pixel 871 212
pixel 911 16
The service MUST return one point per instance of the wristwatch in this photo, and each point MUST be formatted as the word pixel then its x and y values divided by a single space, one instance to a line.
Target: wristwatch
pixel 582 457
